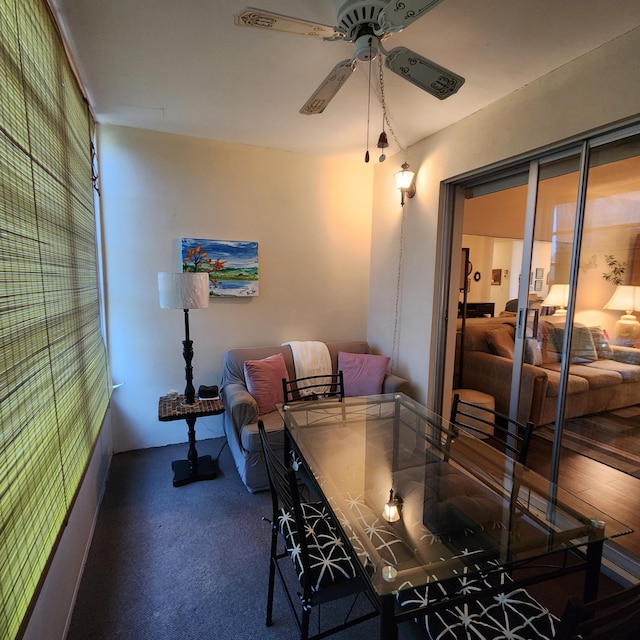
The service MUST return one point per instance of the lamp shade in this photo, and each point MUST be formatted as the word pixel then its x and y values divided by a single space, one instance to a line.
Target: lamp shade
pixel 558 296
pixel 404 178
pixel 183 290
pixel 391 511
pixel 626 298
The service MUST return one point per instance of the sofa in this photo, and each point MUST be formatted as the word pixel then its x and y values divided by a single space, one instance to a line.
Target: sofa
pixel 602 376
pixel 242 409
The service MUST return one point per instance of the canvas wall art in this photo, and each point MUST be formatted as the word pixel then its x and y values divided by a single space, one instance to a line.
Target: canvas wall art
pixel 232 265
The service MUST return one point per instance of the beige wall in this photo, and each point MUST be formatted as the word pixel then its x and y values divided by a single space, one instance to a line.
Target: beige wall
pixel 310 216
pixel 586 94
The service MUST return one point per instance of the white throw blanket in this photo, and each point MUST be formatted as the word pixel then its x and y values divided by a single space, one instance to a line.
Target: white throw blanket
pixel 311 358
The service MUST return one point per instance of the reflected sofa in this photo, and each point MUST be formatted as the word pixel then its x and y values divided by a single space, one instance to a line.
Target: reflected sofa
pixel 602 376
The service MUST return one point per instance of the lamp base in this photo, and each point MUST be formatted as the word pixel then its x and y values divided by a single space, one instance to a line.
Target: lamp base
pixel 627 330
pixel 185 472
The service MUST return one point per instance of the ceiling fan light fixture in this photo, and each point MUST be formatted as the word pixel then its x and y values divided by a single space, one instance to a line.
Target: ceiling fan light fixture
pixel 367 48
pixel 405 181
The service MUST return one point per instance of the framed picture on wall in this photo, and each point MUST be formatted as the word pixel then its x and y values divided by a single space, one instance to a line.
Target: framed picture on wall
pixel 539 274
pixel 496 276
pixel 232 265
pixel 537 285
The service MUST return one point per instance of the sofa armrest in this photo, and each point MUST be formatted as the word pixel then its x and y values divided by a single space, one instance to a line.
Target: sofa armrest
pixel 395 384
pixel 630 355
pixel 240 404
pixel 492 374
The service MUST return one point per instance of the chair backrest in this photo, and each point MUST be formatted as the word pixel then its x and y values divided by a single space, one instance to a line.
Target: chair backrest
pixel 285 493
pixel 313 388
pixel 614 617
pixel 512 436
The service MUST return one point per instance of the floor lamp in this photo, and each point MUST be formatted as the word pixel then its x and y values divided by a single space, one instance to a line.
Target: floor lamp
pixel 185 291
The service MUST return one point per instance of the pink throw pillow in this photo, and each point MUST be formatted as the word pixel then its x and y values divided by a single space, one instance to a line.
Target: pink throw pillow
pixel 264 381
pixel 363 373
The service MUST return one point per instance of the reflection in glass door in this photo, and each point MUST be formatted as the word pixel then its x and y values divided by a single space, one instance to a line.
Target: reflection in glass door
pixel 555 244
pixel 553 187
pixel 494 213
pixel 603 422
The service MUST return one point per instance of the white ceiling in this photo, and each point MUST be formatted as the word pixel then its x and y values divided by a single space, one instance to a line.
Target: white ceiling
pixel 183 67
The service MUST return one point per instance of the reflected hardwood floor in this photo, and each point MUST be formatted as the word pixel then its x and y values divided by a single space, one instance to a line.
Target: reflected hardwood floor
pixel 608 489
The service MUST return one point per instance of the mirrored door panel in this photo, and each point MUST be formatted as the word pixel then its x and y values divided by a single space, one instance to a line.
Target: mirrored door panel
pixel 551 332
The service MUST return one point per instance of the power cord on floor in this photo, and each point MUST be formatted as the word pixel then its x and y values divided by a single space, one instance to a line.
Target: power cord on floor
pixel 224 444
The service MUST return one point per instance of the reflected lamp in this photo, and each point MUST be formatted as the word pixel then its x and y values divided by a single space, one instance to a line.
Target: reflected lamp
pixel 558 297
pixel 391 511
pixel 626 298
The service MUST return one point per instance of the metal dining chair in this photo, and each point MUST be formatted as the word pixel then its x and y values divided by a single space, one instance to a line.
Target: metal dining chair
pixel 614 617
pixel 507 434
pixel 514 613
pixel 313 388
pixel 313 542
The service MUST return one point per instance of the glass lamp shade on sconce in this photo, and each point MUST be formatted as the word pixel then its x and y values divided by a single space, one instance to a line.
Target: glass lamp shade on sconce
pixel 405 181
pixel 391 511
pixel 626 298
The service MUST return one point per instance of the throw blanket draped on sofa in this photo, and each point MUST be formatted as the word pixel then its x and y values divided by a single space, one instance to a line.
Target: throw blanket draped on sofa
pixel 311 358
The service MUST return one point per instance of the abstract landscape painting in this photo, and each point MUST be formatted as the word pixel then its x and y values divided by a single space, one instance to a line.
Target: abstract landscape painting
pixel 232 265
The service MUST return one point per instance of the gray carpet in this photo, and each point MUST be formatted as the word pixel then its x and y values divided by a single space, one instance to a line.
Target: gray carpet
pixel 182 563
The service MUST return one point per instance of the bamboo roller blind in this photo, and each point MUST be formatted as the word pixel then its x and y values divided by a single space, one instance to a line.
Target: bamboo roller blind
pixel 54 383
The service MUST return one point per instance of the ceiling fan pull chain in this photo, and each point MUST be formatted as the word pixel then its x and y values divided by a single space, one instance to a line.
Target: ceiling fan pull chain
pixel 385 115
pixel 366 155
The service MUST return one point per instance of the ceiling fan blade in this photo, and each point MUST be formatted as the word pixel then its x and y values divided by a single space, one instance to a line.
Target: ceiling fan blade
pixel 251 17
pixel 424 73
pixel 323 95
pixel 400 13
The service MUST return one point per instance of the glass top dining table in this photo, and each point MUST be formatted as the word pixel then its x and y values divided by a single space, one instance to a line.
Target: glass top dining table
pixel 464 506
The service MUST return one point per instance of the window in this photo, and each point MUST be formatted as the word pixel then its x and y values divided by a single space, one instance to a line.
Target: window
pixel 54 383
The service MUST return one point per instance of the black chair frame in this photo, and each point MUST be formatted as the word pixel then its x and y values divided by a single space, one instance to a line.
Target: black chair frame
pixel 613 617
pixel 313 388
pixel 285 494
pixel 513 436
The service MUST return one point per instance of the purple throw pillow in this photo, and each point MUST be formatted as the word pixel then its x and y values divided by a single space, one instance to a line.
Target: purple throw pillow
pixel 363 372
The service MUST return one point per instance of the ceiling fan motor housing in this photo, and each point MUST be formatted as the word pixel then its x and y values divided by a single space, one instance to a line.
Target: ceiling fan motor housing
pixel 358 17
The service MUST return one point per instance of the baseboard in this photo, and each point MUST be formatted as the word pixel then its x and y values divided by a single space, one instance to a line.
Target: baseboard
pixel 53 609
pixel 85 554
pixel 620 565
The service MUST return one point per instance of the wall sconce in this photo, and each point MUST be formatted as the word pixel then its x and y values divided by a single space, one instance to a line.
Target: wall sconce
pixel 626 298
pixel 405 181
pixel 558 297
pixel 391 511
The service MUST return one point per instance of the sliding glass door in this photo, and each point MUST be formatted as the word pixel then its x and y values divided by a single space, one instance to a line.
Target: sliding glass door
pixel 554 272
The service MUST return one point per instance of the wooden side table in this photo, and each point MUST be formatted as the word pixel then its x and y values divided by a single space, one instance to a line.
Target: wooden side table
pixel 194 468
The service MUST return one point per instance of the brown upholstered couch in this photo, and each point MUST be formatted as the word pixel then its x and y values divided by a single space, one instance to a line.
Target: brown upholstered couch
pixel 241 408
pixel 602 376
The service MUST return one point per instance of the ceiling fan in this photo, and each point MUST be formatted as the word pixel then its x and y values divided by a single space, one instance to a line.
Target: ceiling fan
pixel 366 23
